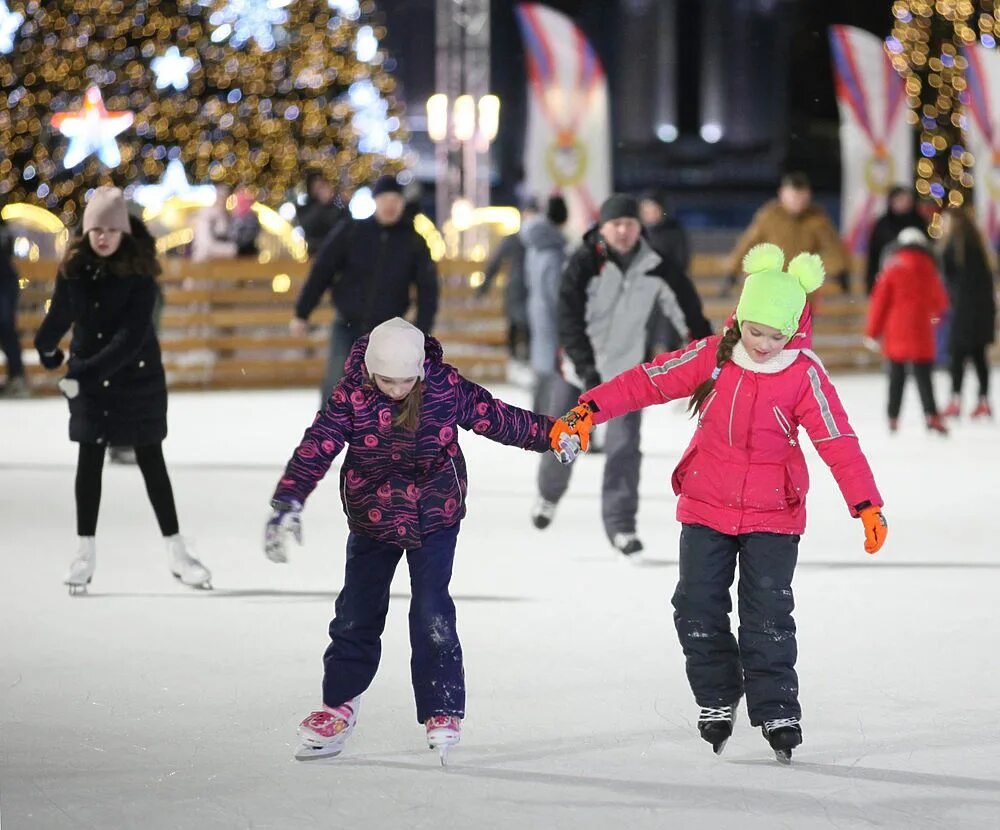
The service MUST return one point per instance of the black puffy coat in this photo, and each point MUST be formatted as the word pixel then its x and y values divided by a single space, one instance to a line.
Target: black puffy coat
pixel 969 281
pixel 114 354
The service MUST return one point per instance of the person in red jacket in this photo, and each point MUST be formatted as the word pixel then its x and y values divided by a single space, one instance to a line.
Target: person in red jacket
pixel 908 299
pixel 742 486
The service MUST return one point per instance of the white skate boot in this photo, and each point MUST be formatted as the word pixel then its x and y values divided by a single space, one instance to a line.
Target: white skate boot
pixel 443 732
pixel 184 566
pixel 325 732
pixel 81 570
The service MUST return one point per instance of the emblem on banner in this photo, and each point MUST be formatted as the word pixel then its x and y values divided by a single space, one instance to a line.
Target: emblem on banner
pixel 993 181
pixel 566 160
pixel 880 172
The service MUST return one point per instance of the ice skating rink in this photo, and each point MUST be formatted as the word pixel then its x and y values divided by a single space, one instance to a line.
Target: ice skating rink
pixel 147 704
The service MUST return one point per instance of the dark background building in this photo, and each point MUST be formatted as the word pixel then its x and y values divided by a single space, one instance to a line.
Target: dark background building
pixel 753 77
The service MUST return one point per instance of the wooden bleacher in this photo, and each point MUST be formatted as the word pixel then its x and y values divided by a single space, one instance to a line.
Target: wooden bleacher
pixel 225 324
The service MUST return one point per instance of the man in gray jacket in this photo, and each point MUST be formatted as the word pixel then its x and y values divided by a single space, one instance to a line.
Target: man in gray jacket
pixel 610 288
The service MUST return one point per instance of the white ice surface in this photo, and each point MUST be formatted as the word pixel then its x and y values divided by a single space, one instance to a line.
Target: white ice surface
pixel 149 705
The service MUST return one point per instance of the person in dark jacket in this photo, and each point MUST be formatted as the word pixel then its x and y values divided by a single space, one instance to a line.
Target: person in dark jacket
pixel 510 255
pixel 369 267
pixel 114 382
pixel 403 484
pixel 969 280
pixel 321 212
pixel 610 288
pixel 17 384
pixel 901 214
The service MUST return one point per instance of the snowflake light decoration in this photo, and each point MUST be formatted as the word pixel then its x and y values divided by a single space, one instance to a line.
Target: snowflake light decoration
pixel 10 22
pixel 240 21
pixel 92 130
pixel 174 183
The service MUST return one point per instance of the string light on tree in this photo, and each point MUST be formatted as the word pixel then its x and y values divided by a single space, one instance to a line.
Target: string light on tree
pixel 92 130
pixel 10 22
pixel 172 69
pixel 926 46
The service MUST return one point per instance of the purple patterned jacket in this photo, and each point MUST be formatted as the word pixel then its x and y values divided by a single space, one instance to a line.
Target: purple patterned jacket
pixel 398 486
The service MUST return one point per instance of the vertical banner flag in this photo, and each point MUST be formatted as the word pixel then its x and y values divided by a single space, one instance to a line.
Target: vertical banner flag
pixel 876 143
pixel 568 145
pixel 982 101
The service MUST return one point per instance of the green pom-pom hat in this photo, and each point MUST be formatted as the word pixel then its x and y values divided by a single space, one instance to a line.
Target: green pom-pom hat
pixel 773 297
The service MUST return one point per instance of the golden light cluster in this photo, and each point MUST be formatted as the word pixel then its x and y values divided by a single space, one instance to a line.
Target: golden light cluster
pixel 925 46
pixel 246 115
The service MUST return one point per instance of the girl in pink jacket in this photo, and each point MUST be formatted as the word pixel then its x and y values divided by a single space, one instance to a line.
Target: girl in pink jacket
pixel 742 485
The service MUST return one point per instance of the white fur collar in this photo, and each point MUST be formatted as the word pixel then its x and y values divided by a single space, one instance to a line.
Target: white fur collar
pixel 781 361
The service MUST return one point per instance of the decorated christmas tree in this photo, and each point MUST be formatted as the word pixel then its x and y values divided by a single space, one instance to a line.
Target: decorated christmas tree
pixel 235 91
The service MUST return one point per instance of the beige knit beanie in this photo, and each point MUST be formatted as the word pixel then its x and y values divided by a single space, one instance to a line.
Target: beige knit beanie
pixel 395 350
pixel 106 209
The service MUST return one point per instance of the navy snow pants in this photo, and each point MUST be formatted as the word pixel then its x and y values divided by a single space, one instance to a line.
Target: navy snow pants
pixel 352 657
pixel 762 664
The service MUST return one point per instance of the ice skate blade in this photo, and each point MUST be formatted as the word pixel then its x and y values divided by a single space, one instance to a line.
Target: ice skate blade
pixel 720 747
pixel 76 588
pixel 312 753
pixel 201 586
pixel 783 756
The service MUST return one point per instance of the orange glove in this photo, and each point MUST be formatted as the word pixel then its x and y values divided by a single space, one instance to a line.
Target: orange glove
pixel 876 527
pixel 578 421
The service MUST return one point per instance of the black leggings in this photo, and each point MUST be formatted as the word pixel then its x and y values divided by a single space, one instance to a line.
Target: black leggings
pixel 978 357
pixel 90 465
pixel 897 377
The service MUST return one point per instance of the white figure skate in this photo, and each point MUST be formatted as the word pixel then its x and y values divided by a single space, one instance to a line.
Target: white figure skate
pixel 325 732
pixel 81 570
pixel 184 566
pixel 443 732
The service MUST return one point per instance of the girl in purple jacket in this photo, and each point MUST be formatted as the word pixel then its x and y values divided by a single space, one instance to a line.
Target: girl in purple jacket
pixel 403 488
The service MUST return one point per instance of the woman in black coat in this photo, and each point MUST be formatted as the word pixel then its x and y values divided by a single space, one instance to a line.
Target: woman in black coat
pixel 969 280
pixel 106 290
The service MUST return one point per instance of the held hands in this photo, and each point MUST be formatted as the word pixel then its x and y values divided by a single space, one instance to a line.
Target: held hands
pixel 570 435
pixel 286 519
pixel 876 527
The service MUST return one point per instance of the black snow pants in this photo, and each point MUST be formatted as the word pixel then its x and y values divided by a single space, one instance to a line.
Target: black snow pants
pixel 762 664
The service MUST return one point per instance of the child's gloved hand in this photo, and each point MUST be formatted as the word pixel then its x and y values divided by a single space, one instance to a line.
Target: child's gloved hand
pixel 69 387
pixel 286 519
pixel 876 527
pixel 578 422
pixel 569 448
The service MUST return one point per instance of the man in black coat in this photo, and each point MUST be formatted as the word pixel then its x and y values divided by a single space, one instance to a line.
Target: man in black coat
pixel 901 213
pixel 369 266
pixel 321 213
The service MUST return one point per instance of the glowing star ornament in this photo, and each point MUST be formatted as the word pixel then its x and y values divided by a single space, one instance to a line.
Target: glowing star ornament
pixel 172 69
pixel 10 22
pixel 92 130
pixel 174 183
pixel 240 21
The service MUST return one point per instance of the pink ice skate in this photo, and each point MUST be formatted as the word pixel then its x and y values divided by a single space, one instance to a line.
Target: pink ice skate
pixel 325 732
pixel 443 732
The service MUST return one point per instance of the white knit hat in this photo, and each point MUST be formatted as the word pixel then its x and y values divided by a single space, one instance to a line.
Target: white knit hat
pixel 106 209
pixel 395 350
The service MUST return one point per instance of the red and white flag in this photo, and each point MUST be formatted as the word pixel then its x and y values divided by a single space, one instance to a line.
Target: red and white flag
pixel 568 145
pixel 876 143
pixel 982 128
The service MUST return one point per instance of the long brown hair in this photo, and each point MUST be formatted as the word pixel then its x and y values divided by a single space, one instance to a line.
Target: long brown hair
pixel 135 257
pixel 722 356
pixel 963 239
pixel 409 408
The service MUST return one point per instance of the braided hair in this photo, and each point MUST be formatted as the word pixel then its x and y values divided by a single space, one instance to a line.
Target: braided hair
pixel 722 356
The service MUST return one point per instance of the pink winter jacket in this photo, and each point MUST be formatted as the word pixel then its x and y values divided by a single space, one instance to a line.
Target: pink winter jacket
pixel 744 471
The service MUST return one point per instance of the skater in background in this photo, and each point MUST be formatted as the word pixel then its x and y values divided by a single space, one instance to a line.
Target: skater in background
pixel 742 485
pixel 17 384
pixel 544 260
pixel 901 213
pixel 510 256
pixel 611 288
pixel 969 280
pixel 908 301
pixel 403 487
pixel 322 211
pixel 114 382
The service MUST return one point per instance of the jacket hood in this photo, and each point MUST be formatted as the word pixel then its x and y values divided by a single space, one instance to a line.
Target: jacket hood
pixel 542 234
pixel 355 364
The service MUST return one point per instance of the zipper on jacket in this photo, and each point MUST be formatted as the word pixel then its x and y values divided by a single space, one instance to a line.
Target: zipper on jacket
pixel 786 427
pixel 732 409
pixel 708 402
pixel 458 481
pixel 343 491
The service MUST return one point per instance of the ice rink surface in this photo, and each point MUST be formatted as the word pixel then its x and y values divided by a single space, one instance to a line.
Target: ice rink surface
pixel 149 705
